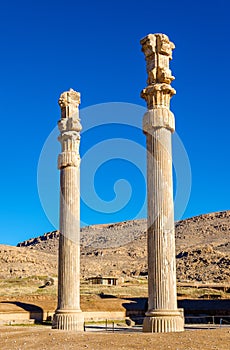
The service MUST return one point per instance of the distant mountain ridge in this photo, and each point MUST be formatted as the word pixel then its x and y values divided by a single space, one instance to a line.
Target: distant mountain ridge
pixel 97 236
pixel 120 249
pixel 211 228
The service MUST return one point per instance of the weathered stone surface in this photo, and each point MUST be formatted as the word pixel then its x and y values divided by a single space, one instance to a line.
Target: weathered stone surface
pixel 158 124
pixel 68 315
pixel 157 49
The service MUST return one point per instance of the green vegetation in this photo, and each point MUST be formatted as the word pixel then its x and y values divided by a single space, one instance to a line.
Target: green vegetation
pixel 132 287
pixel 23 286
pixel 189 292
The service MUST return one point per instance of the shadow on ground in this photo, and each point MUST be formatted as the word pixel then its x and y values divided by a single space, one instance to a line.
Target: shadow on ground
pixel 35 312
pixel 195 310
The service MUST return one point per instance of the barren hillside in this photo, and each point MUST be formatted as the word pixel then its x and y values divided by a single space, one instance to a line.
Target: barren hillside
pixel 202 248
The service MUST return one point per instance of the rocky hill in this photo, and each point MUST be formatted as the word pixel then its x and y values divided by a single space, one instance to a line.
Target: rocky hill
pixel 202 250
pixel 23 262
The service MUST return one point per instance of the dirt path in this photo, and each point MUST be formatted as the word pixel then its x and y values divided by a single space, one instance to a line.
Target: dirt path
pixel 44 338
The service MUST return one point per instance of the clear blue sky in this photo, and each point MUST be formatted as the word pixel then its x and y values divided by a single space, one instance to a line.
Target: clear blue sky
pixel 93 46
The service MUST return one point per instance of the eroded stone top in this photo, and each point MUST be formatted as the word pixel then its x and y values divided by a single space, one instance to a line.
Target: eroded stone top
pixel 69 102
pixel 158 52
pixel 157 49
pixel 70 127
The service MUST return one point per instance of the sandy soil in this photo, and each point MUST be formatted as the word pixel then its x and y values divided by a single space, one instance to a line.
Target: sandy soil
pixel 42 338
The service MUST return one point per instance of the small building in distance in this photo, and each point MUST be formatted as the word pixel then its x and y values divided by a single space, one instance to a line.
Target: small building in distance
pixel 105 280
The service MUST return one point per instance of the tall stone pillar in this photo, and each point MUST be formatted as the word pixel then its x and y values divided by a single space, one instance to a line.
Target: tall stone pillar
pixel 68 315
pixel 158 125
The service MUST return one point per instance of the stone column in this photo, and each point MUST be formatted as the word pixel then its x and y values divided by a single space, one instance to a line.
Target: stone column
pixel 158 125
pixel 68 315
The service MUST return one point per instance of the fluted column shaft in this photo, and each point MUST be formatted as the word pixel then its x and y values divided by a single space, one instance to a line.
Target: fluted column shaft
pixel 68 315
pixel 161 242
pixel 158 125
pixel 69 247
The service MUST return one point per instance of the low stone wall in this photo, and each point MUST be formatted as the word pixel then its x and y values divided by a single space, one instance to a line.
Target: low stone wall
pixel 8 318
pixel 28 317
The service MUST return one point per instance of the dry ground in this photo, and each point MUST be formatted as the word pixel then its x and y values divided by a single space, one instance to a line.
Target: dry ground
pixel 202 255
pixel 42 338
pixel 93 297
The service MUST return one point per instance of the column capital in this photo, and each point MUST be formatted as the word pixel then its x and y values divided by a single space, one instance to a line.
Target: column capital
pixel 69 102
pixel 158 95
pixel 70 127
pixel 157 49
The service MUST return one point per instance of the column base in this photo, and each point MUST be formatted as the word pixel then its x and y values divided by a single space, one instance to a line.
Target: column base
pixel 68 320
pixel 160 321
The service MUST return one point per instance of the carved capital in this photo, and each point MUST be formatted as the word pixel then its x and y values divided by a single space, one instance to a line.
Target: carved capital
pixel 158 95
pixel 158 52
pixel 70 127
pixel 70 136
pixel 66 124
pixel 69 102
